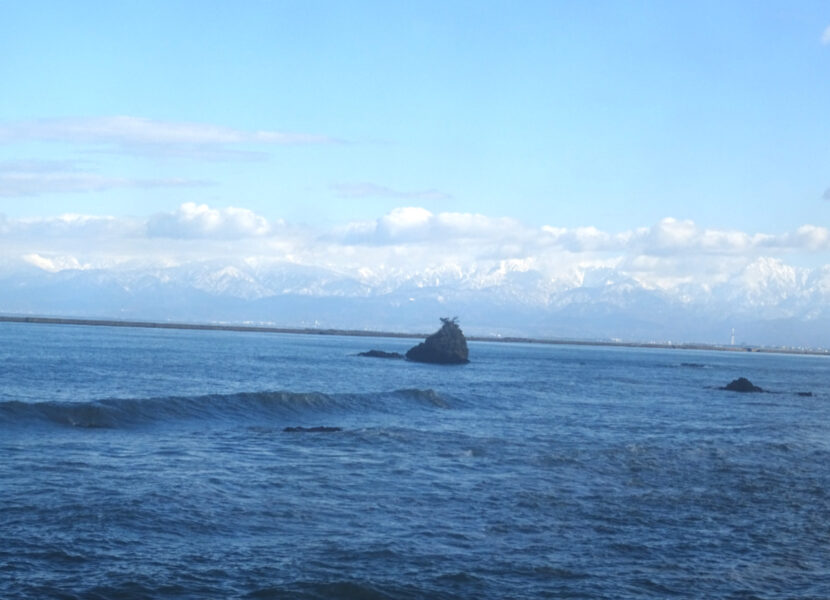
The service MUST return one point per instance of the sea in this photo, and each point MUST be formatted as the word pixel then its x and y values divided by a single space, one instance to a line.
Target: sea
pixel 155 463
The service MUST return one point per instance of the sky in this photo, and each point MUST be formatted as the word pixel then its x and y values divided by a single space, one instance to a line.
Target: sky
pixel 627 127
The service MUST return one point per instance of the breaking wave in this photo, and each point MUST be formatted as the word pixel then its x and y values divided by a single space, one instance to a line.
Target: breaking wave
pixel 115 413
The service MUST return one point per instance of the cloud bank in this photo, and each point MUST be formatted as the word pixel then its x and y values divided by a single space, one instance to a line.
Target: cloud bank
pixel 416 225
pixel 136 135
pixel 412 239
pixel 36 177
pixel 474 261
pixel 199 221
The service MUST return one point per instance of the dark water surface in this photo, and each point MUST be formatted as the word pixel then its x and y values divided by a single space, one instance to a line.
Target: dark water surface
pixel 140 463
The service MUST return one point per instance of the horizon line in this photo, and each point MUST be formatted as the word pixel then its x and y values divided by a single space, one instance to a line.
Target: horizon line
pixel 93 322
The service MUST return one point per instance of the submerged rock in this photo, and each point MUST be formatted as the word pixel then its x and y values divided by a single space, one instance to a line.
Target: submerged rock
pixel 447 346
pixel 742 384
pixel 319 429
pixel 380 354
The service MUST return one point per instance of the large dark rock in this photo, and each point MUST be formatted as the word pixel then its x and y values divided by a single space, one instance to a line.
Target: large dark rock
pixel 447 346
pixel 380 354
pixel 742 384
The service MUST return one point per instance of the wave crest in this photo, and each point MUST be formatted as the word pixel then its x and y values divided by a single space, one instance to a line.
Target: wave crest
pixel 269 405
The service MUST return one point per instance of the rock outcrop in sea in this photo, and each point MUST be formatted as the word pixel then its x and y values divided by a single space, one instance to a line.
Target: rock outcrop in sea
pixel 316 429
pixel 380 354
pixel 742 384
pixel 447 346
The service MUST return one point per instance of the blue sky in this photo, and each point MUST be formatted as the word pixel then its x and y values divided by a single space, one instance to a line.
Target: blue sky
pixel 538 152
pixel 567 114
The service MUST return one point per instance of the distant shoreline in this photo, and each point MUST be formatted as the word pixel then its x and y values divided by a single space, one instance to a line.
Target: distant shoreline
pixel 392 334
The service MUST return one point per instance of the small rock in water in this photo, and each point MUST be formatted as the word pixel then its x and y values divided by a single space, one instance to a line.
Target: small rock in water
pixel 447 346
pixel 742 384
pixel 380 354
pixel 318 429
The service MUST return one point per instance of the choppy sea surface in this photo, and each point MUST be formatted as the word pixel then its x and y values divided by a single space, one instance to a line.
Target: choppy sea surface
pixel 147 463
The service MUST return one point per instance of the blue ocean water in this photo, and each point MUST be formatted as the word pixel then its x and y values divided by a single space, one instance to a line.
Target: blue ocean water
pixel 147 463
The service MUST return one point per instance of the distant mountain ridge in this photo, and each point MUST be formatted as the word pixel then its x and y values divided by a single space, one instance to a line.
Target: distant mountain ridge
pixel 767 303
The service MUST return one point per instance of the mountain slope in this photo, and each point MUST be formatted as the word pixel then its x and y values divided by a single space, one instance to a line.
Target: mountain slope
pixel 768 302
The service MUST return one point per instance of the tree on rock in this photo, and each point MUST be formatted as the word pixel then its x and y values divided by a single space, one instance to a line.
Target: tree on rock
pixel 447 346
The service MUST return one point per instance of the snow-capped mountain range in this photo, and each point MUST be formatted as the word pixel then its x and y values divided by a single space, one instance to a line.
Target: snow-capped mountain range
pixel 673 281
pixel 767 302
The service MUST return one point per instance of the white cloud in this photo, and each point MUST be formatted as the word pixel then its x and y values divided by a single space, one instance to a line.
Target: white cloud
pixel 412 244
pixel 584 239
pixel 404 223
pixel 404 228
pixel 675 237
pixel 413 252
pixel 416 224
pixel 36 177
pixel 825 37
pixel 193 220
pixel 672 234
pixel 40 230
pixel 139 135
pixel 810 237
pixel 473 225
pixel 53 264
